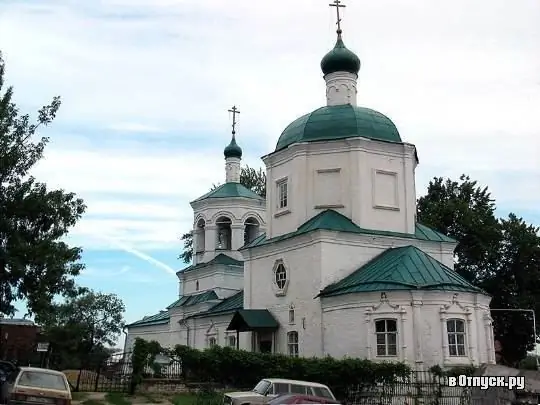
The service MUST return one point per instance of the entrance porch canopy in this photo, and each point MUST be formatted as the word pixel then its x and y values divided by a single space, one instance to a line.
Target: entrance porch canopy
pixel 249 320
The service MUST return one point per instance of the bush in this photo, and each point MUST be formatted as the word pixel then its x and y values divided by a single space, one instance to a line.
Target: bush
pixel 242 369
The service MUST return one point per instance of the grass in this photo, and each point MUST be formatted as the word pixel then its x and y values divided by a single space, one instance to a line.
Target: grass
pixel 93 402
pixel 117 398
pixel 184 399
pixel 197 399
pixel 151 398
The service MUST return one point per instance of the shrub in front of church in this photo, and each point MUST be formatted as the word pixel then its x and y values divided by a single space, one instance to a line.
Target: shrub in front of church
pixel 242 370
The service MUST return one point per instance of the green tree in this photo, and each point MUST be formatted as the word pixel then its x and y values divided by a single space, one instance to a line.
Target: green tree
pixel 83 327
pixel 515 284
pixel 499 255
pixel 35 263
pixel 253 179
pixel 464 211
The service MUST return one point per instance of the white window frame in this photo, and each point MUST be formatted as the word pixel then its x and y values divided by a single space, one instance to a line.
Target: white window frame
pixel 212 341
pixel 293 343
pixel 231 338
pixel 292 315
pixel 279 281
pixel 282 193
pixel 386 333
pixel 455 334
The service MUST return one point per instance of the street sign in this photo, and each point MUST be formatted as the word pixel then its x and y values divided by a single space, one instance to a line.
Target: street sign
pixel 42 347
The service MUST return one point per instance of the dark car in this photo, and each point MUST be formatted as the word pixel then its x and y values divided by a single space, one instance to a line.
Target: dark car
pixel 301 399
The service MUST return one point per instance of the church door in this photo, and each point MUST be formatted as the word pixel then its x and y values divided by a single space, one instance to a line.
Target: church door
pixel 264 342
pixel 265 346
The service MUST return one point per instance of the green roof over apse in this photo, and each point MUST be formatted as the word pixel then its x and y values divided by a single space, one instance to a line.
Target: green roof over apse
pixel 331 220
pixel 230 190
pixel 220 259
pixel 161 318
pixel 339 122
pixel 404 268
pixel 228 305
pixel 188 300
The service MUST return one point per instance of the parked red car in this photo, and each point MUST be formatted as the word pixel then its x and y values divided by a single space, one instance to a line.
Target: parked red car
pixel 301 399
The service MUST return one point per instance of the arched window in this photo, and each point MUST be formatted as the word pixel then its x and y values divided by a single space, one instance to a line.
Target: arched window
pixel 292 343
pixel 212 341
pixel 291 314
pixel 200 236
pixel 456 337
pixel 251 230
pixel 386 334
pixel 223 233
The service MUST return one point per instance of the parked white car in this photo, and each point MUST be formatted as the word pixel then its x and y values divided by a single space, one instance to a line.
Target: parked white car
pixel 269 388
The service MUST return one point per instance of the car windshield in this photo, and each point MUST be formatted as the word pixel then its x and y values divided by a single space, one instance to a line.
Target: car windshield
pixel 43 380
pixel 262 387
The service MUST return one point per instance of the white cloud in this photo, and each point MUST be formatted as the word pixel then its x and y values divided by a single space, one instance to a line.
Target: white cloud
pixel 134 127
pixel 460 80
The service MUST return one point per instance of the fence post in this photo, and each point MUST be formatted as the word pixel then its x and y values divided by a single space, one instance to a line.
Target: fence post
pixel 97 378
pixel 78 380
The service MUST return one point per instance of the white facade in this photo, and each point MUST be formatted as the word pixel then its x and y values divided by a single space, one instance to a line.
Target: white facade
pixel 369 185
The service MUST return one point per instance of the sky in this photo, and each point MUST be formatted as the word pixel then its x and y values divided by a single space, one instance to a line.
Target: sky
pixel 146 85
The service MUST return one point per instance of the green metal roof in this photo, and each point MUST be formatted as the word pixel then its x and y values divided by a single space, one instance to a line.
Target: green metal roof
pixel 334 221
pixel 161 318
pixel 232 149
pixel 188 300
pixel 339 122
pixel 231 190
pixel 340 59
pixel 404 268
pixel 231 304
pixel 221 258
pixel 245 320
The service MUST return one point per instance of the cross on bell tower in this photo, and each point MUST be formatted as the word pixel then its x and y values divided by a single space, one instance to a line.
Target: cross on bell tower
pixel 234 111
pixel 337 4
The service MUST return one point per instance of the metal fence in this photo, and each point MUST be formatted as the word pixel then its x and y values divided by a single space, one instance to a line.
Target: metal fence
pixel 111 375
pixel 115 373
pixel 420 387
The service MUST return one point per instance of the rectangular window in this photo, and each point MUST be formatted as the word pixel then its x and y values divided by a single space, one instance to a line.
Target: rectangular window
pixel 43 380
pixel 280 388
pixel 386 334
pixel 292 343
pixel 298 389
pixel 456 337
pixel 231 341
pixel 212 341
pixel 291 315
pixel 282 194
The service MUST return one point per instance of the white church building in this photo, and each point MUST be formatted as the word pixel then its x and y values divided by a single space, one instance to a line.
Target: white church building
pixel 332 261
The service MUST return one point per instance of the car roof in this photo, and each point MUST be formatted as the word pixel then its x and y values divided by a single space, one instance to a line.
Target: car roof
pixel 42 370
pixel 285 381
